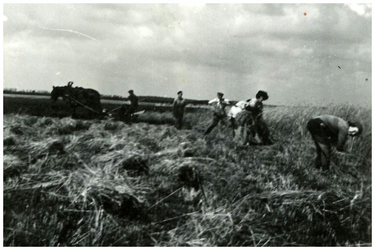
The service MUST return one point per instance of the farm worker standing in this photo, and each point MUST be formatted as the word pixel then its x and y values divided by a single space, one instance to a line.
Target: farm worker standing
pixel 255 106
pixel 178 109
pixel 219 113
pixel 126 111
pixel 328 130
pixel 133 104
pixel 133 100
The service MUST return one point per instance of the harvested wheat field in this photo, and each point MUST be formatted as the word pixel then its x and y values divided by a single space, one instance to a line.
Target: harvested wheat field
pixel 105 183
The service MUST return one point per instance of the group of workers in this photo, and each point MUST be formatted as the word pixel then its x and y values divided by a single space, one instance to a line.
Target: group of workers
pixel 247 118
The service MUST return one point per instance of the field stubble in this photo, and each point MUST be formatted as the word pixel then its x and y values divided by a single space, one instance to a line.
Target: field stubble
pixel 105 183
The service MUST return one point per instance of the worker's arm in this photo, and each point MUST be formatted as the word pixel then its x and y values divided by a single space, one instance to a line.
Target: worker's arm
pixel 212 101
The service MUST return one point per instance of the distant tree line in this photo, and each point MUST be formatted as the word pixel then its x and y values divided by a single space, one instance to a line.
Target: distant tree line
pixel 151 99
pixel 25 92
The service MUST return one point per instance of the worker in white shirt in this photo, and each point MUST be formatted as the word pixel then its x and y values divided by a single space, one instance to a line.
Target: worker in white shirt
pixel 242 122
pixel 247 119
pixel 219 104
pixel 236 109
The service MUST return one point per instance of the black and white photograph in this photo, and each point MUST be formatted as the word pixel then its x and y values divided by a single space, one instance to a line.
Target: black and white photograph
pixel 187 124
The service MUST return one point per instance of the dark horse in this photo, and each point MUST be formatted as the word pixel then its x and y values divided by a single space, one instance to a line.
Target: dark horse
pixel 89 99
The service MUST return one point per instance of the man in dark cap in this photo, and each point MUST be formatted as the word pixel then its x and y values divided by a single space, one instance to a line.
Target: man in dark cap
pixel 219 114
pixel 133 100
pixel 178 109
pixel 255 106
pixel 126 111
pixel 328 130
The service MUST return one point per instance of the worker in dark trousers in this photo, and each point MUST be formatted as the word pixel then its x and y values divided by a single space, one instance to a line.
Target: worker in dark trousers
pixel 255 106
pixel 219 114
pixel 126 111
pixel 178 109
pixel 328 130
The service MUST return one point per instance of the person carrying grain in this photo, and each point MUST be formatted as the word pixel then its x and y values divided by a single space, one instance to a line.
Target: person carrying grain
pixel 328 130
pixel 219 104
pixel 255 106
pixel 242 122
pixel 178 109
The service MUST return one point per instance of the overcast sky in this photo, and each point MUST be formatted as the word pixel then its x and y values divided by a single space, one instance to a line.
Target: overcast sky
pixel 318 53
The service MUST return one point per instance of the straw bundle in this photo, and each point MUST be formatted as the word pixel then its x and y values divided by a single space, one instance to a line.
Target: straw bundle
pixel 13 166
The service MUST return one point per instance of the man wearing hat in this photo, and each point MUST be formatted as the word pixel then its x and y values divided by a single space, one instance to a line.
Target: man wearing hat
pixel 126 111
pixel 328 130
pixel 178 109
pixel 255 106
pixel 219 112
pixel 133 100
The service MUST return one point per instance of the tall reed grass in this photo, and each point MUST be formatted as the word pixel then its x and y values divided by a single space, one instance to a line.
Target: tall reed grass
pixel 105 183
